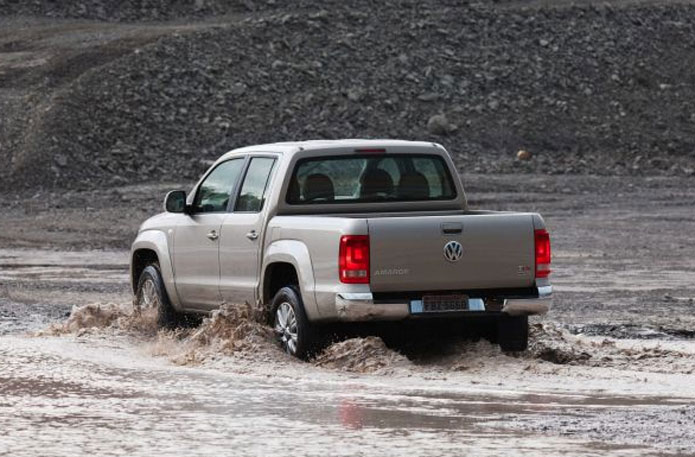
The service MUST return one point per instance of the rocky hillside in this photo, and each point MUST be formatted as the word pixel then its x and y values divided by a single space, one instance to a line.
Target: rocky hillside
pixel 128 10
pixel 584 89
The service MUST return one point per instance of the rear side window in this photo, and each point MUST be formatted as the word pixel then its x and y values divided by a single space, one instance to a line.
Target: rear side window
pixel 214 192
pixel 364 179
pixel 255 183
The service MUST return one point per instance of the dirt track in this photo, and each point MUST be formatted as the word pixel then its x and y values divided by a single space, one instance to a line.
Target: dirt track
pixel 623 276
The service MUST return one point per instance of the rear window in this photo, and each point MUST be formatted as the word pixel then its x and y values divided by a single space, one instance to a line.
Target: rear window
pixel 362 179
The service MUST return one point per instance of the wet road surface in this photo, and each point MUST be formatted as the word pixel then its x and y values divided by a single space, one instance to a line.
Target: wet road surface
pixel 63 397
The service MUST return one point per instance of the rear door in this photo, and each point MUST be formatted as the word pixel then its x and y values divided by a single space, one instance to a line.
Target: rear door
pixel 196 240
pixel 430 253
pixel 242 232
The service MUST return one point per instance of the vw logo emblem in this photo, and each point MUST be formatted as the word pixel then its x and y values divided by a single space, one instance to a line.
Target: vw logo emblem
pixel 453 251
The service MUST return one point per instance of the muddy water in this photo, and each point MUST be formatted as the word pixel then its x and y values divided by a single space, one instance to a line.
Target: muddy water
pixel 100 381
pixel 41 286
pixel 105 396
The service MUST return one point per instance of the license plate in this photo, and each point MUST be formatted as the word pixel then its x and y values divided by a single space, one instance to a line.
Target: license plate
pixel 444 303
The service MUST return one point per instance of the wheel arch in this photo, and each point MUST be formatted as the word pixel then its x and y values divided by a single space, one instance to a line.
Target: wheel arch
pixel 140 259
pixel 283 257
pixel 278 275
pixel 149 246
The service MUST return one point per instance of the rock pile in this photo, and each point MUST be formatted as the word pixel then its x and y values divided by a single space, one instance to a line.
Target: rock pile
pixel 587 89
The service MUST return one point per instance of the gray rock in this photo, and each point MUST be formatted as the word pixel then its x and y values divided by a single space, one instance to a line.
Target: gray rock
pixel 238 89
pixel 355 94
pixel 438 125
pixel 428 97
pixel 61 160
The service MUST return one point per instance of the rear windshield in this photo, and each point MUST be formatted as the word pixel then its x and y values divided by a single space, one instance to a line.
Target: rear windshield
pixel 379 178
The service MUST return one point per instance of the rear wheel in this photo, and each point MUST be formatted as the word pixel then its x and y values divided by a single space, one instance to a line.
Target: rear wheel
pixel 512 333
pixel 294 332
pixel 151 296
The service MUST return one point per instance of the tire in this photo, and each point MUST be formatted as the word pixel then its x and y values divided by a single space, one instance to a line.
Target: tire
pixel 295 334
pixel 151 293
pixel 512 333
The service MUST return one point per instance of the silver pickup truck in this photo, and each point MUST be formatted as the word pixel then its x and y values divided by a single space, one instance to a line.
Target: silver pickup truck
pixel 349 230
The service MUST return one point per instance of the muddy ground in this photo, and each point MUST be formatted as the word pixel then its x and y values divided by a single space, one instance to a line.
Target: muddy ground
pixel 610 369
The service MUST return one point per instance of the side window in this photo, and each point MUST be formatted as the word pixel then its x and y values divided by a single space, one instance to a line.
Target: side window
pixel 255 183
pixel 214 192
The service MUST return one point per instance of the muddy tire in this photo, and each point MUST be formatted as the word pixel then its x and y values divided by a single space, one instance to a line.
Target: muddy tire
pixel 512 333
pixel 151 293
pixel 296 335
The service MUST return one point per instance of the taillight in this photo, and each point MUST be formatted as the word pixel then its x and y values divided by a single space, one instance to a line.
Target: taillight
pixel 353 259
pixel 542 241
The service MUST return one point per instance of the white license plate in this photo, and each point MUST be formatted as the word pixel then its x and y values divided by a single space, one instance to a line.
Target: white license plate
pixel 441 304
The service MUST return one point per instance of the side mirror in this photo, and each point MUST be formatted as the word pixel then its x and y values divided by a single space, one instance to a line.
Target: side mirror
pixel 175 201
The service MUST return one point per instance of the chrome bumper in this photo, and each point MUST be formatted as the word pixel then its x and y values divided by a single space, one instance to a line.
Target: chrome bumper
pixel 529 306
pixel 361 307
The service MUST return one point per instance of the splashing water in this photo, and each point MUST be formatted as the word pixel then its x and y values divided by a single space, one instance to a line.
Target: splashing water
pixel 361 355
pixel 90 318
pixel 237 331
pixel 231 330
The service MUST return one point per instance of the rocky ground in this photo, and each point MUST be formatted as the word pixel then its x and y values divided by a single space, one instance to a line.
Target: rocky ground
pixel 585 88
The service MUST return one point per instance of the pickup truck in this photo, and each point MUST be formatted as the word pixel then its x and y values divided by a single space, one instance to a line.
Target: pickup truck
pixel 320 232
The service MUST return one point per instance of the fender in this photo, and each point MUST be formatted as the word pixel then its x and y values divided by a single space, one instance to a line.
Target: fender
pixel 157 241
pixel 296 253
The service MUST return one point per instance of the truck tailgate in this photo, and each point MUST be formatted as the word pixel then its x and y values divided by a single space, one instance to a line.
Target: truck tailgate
pixel 408 253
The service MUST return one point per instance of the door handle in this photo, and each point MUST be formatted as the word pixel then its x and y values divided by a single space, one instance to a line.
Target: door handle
pixel 451 228
pixel 252 235
pixel 213 235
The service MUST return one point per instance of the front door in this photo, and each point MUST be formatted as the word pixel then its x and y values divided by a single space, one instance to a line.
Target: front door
pixel 242 235
pixel 197 237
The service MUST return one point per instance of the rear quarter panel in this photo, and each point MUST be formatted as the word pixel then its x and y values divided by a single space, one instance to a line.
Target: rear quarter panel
pixel 320 236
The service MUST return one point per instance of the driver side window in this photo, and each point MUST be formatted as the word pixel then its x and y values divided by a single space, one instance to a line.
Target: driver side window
pixel 214 192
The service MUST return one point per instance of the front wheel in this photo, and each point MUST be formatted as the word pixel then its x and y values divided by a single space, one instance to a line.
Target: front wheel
pixel 151 296
pixel 294 332
pixel 512 333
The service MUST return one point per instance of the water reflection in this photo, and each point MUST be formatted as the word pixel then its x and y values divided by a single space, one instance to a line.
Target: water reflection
pixel 351 414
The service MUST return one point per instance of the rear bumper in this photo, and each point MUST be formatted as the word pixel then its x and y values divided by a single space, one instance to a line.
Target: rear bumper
pixel 361 306
pixel 530 306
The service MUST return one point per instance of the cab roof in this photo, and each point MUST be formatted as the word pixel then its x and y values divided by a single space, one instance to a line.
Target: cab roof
pixel 292 147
